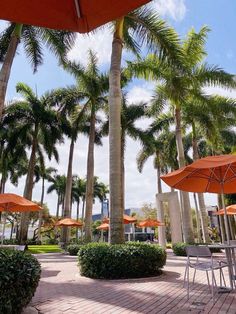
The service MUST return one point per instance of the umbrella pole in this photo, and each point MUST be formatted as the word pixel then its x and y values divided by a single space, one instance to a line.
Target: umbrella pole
pixel 225 219
pixel 3 227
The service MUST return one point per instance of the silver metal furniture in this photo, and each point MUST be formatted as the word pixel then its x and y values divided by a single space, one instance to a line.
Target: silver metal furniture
pixel 200 258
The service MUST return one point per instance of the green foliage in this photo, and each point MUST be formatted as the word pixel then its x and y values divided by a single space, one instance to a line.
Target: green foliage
pixel 73 249
pixel 130 260
pixel 19 277
pixel 10 241
pixel 179 248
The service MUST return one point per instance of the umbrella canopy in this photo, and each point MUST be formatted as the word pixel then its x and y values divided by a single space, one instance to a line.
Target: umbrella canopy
pixel 127 219
pixel 16 203
pixel 150 223
pixel 103 226
pixel 230 210
pixel 74 15
pixel 214 174
pixel 68 222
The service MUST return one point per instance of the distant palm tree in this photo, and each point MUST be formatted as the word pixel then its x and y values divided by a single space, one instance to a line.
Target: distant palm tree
pixel 100 190
pixel 38 127
pixel 33 39
pixel 58 185
pixel 44 173
pixel 94 86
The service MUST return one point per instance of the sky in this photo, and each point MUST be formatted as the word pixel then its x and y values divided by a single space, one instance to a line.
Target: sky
pixel 218 15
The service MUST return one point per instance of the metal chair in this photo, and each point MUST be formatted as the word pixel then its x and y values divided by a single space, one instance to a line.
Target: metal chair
pixel 197 259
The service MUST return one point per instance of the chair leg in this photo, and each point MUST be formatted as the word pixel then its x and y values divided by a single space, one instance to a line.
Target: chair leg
pixel 194 275
pixel 208 281
pixel 188 283
pixel 185 274
pixel 213 280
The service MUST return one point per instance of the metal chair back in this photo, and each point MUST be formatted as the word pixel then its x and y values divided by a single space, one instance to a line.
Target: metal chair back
pixel 198 251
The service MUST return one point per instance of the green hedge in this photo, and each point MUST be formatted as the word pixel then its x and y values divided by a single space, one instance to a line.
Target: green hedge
pixel 73 249
pixel 179 248
pixel 19 277
pixel 131 260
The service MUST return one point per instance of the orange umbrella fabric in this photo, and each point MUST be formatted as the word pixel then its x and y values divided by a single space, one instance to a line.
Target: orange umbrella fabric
pixel 230 210
pixel 104 226
pixel 68 222
pixel 74 15
pixel 214 174
pixel 16 203
pixel 127 219
pixel 150 223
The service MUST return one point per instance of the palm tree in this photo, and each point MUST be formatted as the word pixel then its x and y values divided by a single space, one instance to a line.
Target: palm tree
pixel 44 173
pixel 38 127
pixel 138 28
pixel 177 84
pixel 100 191
pixel 58 184
pixel 94 86
pixel 33 39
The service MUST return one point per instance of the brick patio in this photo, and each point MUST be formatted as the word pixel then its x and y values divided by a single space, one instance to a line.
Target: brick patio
pixel 63 290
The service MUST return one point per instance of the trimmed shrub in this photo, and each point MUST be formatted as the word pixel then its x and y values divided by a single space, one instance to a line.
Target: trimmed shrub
pixel 51 241
pixel 19 277
pixel 131 260
pixel 179 248
pixel 73 249
pixel 10 241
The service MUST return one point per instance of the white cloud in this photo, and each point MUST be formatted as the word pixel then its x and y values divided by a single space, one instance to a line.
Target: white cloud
pixel 100 42
pixel 175 9
pixel 220 91
pixel 140 93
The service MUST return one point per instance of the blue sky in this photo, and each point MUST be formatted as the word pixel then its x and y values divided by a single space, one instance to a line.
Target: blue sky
pixel 219 15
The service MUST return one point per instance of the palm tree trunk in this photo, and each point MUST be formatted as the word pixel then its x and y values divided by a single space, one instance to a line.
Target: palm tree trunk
pixel 28 188
pixel 201 201
pixel 7 64
pixel 67 206
pixel 41 211
pixel 58 205
pixel 160 210
pixel 186 209
pixel 116 213
pixel 82 217
pixel 77 218
pixel 90 179
pixel 123 172
pixel 197 218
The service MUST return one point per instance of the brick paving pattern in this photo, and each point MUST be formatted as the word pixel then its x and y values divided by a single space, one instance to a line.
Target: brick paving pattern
pixel 63 290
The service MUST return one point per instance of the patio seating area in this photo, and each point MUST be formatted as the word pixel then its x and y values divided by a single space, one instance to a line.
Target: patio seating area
pixel 63 290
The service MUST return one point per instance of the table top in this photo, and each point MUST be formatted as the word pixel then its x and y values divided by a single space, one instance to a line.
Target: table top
pixel 222 246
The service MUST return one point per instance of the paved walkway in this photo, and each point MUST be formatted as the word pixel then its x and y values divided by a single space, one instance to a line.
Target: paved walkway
pixel 63 290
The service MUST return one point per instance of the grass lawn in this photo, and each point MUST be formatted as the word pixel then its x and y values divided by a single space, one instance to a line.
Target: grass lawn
pixel 40 249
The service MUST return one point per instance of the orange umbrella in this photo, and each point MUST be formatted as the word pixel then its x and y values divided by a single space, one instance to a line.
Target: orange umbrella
pixel 104 226
pixel 127 219
pixel 16 203
pixel 68 222
pixel 150 223
pixel 214 174
pixel 231 210
pixel 74 15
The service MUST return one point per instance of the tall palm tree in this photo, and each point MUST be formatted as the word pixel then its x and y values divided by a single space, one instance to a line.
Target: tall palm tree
pixel 33 40
pixel 38 127
pixel 177 84
pixel 138 28
pixel 58 185
pixel 94 86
